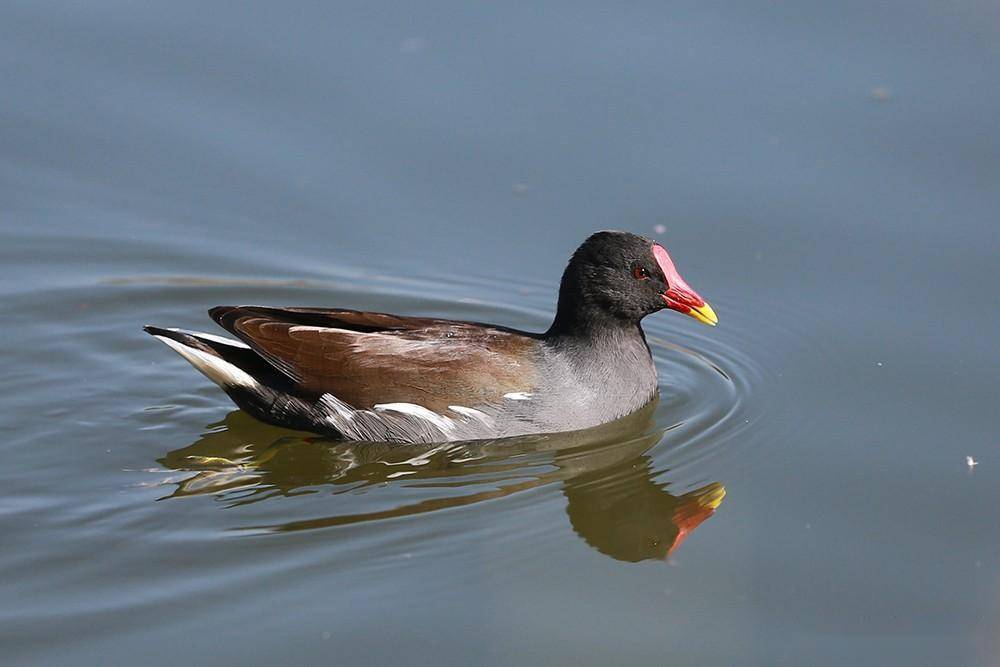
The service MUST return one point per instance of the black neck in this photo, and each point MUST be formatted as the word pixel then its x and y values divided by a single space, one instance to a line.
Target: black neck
pixel 581 314
pixel 581 321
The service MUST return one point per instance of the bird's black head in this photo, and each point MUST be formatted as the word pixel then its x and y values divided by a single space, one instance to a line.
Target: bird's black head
pixel 619 277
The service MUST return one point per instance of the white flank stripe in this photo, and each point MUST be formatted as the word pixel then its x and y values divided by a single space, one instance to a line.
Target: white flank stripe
pixel 343 410
pixel 442 422
pixel 473 413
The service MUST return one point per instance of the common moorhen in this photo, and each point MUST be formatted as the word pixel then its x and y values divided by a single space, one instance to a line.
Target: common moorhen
pixel 377 377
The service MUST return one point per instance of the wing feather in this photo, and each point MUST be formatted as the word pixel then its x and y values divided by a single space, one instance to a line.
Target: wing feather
pixel 366 359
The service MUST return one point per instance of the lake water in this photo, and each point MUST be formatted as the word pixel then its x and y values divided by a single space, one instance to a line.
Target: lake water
pixel 827 175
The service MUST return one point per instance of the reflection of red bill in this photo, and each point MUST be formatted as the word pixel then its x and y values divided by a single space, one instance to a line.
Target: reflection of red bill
pixel 695 508
pixel 679 295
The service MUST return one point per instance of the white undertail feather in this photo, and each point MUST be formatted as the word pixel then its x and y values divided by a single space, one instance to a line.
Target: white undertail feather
pixel 217 370
pixel 212 337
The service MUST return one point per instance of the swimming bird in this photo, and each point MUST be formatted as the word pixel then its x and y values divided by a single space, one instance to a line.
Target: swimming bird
pixel 378 377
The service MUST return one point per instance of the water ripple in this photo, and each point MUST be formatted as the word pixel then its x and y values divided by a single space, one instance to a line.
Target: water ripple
pixel 660 466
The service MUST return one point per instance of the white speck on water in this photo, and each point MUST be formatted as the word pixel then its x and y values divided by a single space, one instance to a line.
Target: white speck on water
pixel 520 188
pixel 326 634
pixel 413 45
pixel 881 93
pixel 879 364
pixel 660 229
pixel 971 462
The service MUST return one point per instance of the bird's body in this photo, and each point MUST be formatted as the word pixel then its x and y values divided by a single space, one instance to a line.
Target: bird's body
pixel 379 377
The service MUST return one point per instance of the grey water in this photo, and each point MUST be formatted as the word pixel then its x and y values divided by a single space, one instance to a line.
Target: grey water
pixel 827 175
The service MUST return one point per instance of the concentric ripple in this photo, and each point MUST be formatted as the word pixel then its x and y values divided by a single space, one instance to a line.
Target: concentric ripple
pixel 160 465
pixel 671 456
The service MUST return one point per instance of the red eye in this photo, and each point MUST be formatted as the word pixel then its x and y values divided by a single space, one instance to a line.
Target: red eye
pixel 640 273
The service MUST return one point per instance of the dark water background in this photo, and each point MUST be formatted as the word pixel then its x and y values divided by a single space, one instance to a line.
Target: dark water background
pixel 826 174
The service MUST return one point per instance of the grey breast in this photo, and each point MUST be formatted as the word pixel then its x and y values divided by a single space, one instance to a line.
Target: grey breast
pixel 596 382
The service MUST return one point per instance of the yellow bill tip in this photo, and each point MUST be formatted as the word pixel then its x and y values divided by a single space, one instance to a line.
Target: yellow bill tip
pixel 705 315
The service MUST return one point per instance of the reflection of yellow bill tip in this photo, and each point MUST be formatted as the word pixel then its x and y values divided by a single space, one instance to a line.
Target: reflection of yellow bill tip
pixel 705 315
pixel 712 495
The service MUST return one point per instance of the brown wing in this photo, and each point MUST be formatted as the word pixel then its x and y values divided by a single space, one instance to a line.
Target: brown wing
pixel 368 358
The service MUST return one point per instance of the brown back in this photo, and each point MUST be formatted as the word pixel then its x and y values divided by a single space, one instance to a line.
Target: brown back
pixel 367 358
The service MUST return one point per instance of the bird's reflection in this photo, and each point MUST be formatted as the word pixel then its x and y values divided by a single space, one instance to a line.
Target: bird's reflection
pixel 613 502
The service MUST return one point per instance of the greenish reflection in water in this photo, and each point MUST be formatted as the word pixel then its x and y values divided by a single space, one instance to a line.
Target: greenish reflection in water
pixel 613 501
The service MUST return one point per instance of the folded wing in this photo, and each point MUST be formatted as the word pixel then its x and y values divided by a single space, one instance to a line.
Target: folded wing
pixel 365 359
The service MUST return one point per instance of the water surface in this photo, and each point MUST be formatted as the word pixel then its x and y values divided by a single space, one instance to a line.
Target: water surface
pixel 827 176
